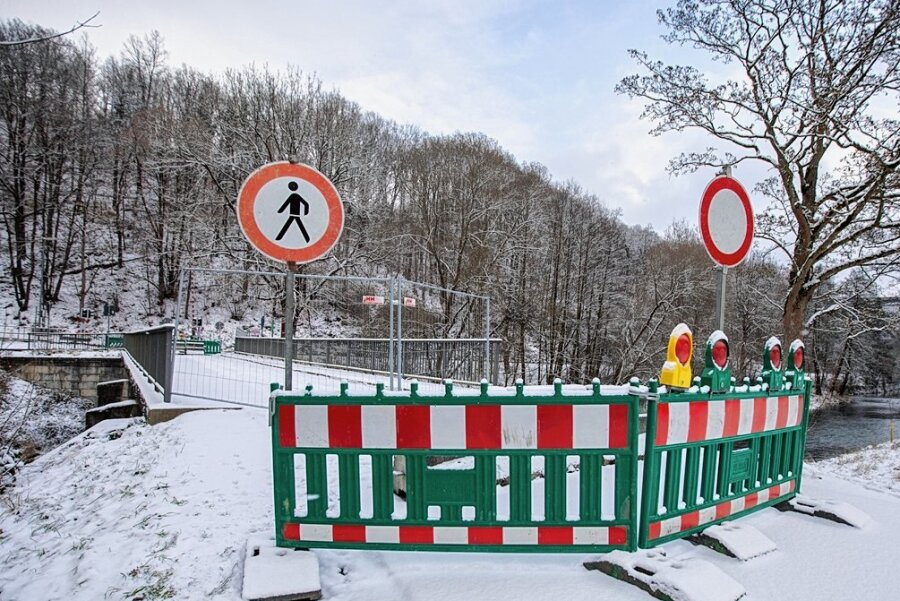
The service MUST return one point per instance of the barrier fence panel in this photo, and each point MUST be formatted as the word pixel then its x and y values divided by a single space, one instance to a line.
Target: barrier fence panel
pixel 457 359
pixel 488 470
pixel 709 458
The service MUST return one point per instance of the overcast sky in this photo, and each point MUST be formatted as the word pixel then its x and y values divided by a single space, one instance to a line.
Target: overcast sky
pixel 536 75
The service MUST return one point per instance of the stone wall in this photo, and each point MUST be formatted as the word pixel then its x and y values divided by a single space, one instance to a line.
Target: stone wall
pixel 77 376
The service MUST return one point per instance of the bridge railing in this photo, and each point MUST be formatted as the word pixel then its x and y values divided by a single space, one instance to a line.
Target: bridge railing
pixel 484 470
pixel 152 350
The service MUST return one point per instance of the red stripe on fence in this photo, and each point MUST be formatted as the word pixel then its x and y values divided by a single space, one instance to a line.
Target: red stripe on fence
pixel 759 414
pixel 618 426
pixel 774 491
pixel 723 510
pixel 483 429
pixel 662 424
pixel 416 534
pixel 413 427
pixel 653 531
pixel 618 535
pixel 554 535
pixel 799 410
pixel 781 417
pixel 698 418
pixel 690 520
pixel 348 534
pixel 485 535
pixel 554 427
pixel 345 426
pixel 751 500
pixel 732 418
pixel 287 429
pixel 291 531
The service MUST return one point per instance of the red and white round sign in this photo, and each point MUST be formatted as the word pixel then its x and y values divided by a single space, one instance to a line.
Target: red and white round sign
pixel 290 212
pixel 726 221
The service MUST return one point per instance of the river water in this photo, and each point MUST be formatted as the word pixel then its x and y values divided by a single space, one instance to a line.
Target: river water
pixel 850 426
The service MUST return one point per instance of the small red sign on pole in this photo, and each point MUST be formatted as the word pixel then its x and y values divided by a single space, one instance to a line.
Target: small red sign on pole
pixel 409 301
pixel 371 299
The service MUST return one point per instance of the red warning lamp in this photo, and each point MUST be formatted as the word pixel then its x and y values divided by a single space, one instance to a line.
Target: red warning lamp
pixel 775 356
pixel 676 371
pixel 720 353
pixel 683 349
pixel 798 358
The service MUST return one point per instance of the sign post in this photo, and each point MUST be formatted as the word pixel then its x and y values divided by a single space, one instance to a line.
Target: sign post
pixel 726 226
pixel 292 213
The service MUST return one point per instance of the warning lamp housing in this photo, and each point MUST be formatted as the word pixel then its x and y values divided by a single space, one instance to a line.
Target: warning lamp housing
pixel 716 369
pixel 795 372
pixel 676 371
pixel 773 364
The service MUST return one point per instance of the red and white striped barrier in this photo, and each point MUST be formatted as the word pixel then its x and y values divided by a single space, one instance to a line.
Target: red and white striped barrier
pixel 695 421
pixel 719 511
pixel 556 426
pixel 457 535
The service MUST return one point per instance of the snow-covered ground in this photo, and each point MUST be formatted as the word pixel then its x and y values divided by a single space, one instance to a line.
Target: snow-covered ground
pixel 129 511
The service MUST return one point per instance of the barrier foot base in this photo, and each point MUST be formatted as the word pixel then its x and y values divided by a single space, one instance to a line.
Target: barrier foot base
pixel 275 574
pixel 836 511
pixel 735 540
pixel 670 579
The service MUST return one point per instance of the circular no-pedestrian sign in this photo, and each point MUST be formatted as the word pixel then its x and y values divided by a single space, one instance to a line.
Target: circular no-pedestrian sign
pixel 290 212
pixel 726 221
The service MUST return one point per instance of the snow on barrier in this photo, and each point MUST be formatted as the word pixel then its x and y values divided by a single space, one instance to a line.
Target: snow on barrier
pixel 488 470
pixel 525 469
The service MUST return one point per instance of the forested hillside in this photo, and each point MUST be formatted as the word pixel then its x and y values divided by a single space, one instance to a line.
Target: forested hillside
pixel 117 172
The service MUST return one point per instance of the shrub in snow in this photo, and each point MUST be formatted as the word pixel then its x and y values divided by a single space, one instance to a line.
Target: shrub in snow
pixel 33 420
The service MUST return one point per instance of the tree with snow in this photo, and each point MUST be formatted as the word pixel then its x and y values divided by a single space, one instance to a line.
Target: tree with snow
pixel 812 96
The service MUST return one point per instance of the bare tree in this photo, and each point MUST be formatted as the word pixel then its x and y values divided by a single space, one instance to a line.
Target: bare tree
pixel 814 99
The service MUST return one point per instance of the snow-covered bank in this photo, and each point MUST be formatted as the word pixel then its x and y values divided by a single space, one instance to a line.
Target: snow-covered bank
pixel 130 511
pixel 34 420
pixel 876 467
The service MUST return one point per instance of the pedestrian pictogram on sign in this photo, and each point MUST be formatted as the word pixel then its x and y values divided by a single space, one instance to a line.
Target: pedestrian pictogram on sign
pixel 290 212
pixel 726 221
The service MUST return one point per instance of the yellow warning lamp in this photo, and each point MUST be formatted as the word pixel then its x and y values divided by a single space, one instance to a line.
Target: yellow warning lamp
pixel 676 371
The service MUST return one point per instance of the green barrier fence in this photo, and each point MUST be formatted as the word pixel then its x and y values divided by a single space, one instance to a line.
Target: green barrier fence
pixel 500 470
pixel 531 469
pixel 711 458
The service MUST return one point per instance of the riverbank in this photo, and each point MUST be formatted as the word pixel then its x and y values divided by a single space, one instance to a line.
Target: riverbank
pixel 876 467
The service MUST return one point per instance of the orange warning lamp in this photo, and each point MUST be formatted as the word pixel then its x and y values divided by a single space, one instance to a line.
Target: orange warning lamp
pixel 676 371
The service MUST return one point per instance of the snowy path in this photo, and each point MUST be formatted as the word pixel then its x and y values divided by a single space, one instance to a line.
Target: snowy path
pixel 164 511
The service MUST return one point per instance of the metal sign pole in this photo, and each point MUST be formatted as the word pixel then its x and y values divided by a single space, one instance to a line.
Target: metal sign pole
pixel 487 340
pixel 400 336
pixel 289 326
pixel 391 332
pixel 720 297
